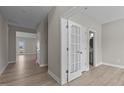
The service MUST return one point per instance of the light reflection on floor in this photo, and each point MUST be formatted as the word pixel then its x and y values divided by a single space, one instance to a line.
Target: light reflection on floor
pixel 21 60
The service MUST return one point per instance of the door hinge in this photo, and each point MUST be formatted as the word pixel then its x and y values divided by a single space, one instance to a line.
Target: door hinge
pixel 67 75
pixel 67 49
pixel 66 71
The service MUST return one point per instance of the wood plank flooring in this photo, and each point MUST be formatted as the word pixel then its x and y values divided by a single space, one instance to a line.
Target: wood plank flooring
pixel 26 72
pixel 101 76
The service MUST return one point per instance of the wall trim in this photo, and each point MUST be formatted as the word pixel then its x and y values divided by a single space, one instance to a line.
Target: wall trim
pixel 54 76
pixel 113 65
pixel 96 65
pixel 43 65
pixel 3 69
pixel 11 62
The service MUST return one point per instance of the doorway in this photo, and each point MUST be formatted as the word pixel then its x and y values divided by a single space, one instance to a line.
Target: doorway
pixel 73 50
pixel 91 49
pixel 75 47
pixel 25 47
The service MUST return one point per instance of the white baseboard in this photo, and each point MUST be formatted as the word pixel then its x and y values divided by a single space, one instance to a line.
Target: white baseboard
pixel 3 69
pixel 11 62
pixel 96 65
pixel 43 65
pixel 54 76
pixel 113 65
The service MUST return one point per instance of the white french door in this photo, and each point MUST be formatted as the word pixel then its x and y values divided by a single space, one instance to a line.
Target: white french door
pixel 75 45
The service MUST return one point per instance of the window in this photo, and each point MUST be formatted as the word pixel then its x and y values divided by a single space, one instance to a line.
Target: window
pixel 21 44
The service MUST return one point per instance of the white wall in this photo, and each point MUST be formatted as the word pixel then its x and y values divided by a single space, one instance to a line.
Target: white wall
pixel 113 43
pixel 3 43
pixel 90 23
pixel 54 49
pixel 42 39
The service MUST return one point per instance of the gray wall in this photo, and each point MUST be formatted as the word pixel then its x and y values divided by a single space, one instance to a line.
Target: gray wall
pixel 113 42
pixel 3 43
pixel 54 39
pixel 12 40
pixel 11 45
pixel 42 37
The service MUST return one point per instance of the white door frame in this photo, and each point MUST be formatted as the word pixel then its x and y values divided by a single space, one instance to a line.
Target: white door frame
pixel 95 48
pixel 64 52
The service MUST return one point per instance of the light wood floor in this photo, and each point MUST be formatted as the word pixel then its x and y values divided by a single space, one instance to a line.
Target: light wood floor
pixel 26 72
pixel 100 76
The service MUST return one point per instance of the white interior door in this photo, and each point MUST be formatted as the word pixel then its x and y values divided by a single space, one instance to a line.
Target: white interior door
pixel 75 45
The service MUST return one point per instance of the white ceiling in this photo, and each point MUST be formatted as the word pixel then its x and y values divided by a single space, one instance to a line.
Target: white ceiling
pixel 25 16
pixel 105 14
pixel 30 16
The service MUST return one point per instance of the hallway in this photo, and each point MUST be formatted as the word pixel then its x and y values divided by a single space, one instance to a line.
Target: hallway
pixel 26 72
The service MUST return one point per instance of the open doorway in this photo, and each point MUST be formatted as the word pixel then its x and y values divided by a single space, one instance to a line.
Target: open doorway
pixel 91 49
pixel 26 48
